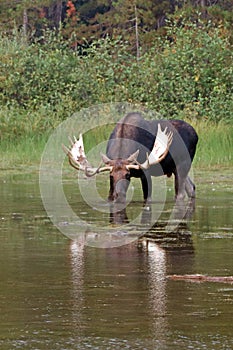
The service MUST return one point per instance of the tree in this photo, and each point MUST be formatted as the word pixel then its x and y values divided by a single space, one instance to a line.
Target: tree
pixel 26 14
pixel 138 22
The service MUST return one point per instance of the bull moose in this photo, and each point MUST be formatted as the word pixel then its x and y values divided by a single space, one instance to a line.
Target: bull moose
pixel 141 148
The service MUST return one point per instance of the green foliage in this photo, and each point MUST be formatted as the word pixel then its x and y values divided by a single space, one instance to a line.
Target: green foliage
pixel 189 75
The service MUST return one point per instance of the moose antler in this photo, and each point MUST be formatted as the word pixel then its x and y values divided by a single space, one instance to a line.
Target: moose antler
pixel 159 151
pixel 78 160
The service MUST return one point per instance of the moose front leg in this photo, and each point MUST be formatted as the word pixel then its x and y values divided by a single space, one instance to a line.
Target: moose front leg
pixel 146 186
pixel 111 190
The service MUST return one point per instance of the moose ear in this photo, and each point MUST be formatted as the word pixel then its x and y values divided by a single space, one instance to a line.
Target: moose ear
pixel 105 159
pixel 133 157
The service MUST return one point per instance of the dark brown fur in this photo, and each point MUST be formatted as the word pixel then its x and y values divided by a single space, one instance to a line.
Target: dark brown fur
pixel 134 133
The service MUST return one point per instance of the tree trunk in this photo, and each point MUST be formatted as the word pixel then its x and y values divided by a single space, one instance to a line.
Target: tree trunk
pixel 136 33
pixel 25 22
pixel 202 278
pixel 58 13
pixel 203 3
pixel 55 13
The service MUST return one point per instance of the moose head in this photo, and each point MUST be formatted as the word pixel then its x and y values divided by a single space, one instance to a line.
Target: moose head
pixel 120 169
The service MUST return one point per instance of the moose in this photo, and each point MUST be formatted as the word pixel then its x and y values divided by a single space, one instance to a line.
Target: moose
pixel 142 148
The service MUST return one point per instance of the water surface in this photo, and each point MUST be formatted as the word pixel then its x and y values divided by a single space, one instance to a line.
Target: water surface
pixel 57 293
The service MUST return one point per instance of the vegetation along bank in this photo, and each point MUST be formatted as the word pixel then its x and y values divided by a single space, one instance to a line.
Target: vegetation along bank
pixel 185 73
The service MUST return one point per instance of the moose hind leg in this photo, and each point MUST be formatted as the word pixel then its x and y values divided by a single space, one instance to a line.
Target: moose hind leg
pixel 189 187
pixel 179 186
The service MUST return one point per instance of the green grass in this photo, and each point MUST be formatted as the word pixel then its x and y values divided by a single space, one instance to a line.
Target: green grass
pixel 22 154
pixel 214 147
pixel 215 144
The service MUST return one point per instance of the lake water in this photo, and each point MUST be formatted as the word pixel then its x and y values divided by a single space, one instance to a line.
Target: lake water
pixel 58 293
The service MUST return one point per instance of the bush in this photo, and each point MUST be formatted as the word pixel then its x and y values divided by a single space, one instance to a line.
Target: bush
pixel 188 74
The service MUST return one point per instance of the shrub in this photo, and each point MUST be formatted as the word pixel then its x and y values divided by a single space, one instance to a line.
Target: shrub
pixel 188 74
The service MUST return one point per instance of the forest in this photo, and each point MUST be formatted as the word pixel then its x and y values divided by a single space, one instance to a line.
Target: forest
pixel 57 57
pixel 88 20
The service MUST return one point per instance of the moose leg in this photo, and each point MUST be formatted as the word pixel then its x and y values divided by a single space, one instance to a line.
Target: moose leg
pixel 179 185
pixel 111 190
pixel 146 186
pixel 189 187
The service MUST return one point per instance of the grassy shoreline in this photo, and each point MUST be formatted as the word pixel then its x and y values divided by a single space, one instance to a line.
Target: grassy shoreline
pixel 43 86
pixel 214 148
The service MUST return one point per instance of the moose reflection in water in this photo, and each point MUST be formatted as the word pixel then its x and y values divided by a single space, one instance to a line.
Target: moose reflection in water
pixel 131 281
pixel 163 230
pixel 122 264
pixel 182 212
